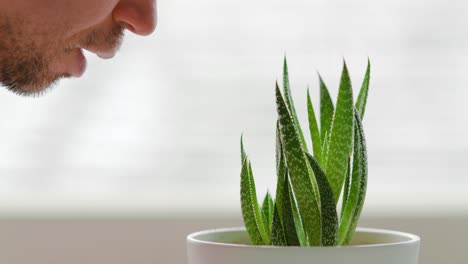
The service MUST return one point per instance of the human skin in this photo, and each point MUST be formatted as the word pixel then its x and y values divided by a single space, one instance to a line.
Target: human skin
pixel 41 41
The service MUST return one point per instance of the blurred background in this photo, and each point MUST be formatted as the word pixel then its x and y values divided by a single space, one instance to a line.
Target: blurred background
pixel 120 165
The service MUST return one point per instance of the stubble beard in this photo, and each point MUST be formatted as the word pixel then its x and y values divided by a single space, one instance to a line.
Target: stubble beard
pixel 25 61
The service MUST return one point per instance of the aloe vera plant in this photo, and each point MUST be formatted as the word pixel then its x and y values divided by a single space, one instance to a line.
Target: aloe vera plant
pixel 309 185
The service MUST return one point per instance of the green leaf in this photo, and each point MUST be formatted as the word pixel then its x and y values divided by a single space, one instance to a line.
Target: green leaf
pixel 362 98
pixel 290 103
pixel 250 210
pixel 270 211
pixel 280 170
pixel 325 146
pixel 328 205
pixel 288 216
pixel 302 179
pixel 341 136
pixel 301 235
pixel 314 130
pixel 277 231
pixel 358 186
pixel 242 149
pixel 346 187
pixel 267 212
pixel 326 110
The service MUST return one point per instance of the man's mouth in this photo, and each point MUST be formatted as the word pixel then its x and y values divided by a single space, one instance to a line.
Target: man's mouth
pixel 81 65
pixel 103 54
pixel 73 63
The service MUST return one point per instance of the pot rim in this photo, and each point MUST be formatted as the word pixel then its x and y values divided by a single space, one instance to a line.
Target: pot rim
pixel 408 239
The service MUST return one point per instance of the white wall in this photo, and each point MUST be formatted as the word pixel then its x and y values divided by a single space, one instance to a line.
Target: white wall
pixel 157 128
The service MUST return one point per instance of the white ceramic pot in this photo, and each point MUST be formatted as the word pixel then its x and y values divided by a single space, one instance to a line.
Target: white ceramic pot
pixel 369 246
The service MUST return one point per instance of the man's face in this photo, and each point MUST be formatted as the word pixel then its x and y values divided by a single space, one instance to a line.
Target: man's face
pixel 41 41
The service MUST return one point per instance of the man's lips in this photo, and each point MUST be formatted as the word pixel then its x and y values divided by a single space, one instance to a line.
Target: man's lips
pixel 74 64
pixel 80 67
pixel 103 54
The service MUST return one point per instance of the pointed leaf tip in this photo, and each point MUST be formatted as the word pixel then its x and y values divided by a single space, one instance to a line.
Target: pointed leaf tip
pixel 327 110
pixel 267 212
pixel 341 136
pixel 362 98
pixel 277 231
pixel 290 104
pixel 243 155
pixel 251 213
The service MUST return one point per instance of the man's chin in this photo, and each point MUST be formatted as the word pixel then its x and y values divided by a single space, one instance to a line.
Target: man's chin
pixel 34 88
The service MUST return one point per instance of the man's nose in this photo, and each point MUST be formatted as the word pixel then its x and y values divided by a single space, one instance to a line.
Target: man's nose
pixel 138 16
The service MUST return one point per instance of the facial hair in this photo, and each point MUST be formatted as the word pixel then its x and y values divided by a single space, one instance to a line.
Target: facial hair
pixel 25 59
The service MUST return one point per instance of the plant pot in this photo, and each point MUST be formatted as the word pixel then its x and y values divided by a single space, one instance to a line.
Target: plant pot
pixel 369 246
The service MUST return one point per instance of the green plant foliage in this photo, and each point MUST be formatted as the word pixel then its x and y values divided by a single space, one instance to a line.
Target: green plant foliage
pixel 267 212
pixel 290 103
pixel 325 146
pixel 280 171
pixel 360 106
pixel 341 136
pixel 250 210
pixel 301 235
pixel 314 130
pixel 328 205
pixel 302 180
pixel 326 110
pixel 362 98
pixel 303 212
pixel 358 185
pixel 288 216
pixel 278 237
pixel 346 187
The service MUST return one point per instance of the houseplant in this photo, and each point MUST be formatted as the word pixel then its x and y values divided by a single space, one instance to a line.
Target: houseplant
pixel 301 225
